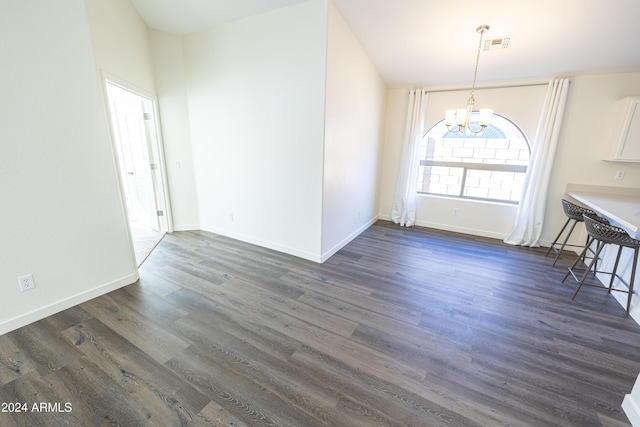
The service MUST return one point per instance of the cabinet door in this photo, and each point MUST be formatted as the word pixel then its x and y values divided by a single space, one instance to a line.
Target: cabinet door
pixel 626 139
pixel 631 147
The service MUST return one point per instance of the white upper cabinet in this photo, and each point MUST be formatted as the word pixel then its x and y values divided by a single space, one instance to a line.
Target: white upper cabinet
pixel 625 139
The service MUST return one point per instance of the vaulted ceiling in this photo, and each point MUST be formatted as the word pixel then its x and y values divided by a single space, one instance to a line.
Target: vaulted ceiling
pixel 434 42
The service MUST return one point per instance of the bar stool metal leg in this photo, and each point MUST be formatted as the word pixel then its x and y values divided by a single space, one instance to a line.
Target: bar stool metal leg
pixel 604 233
pixel 586 273
pixel 583 257
pixel 615 269
pixel 580 257
pixel 574 213
pixel 564 243
pixel 558 236
pixel 633 277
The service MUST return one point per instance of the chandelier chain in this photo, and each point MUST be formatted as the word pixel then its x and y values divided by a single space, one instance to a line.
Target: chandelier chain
pixel 460 120
pixel 481 30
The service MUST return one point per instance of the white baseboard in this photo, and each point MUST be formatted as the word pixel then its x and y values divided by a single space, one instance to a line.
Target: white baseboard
pixel 328 254
pixel 320 258
pixel 186 227
pixel 453 228
pixel 631 408
pixel 58 306
pixel 463 230
pixel 471 231
pixel 264 243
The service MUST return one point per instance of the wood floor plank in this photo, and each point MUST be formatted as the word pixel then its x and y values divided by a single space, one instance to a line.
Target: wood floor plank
pixel 97 399
pixel 247 399
pixel 41 344
pixel 145 332
pixel 30 391
pixel 402 327
pixel 257 334
pixel 244 361
pixel 142 377
pixel 68 318
pixel 13 364
pixel 364 304
pixel 213 415
pixel 433 407
pixel 335 324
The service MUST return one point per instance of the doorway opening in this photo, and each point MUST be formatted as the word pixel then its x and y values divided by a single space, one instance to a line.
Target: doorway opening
pixel 136 137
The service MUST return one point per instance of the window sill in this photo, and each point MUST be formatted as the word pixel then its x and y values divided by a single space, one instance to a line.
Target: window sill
pixel 468 200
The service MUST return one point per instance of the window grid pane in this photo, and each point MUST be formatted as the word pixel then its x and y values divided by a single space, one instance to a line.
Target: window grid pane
pixel 489 168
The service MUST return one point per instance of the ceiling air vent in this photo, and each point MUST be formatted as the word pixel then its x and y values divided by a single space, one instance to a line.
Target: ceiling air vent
pixel 497 44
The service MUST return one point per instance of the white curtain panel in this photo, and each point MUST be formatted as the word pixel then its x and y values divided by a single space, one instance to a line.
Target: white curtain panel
pixel 530 215
pixel 404 202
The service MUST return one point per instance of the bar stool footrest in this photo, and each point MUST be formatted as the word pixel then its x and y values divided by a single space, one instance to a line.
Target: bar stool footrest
pixel 600 284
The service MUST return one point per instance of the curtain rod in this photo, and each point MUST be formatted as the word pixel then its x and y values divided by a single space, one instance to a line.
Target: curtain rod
pixel 488 87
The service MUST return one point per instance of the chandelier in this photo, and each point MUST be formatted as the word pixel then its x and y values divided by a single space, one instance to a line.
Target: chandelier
pixel 460 120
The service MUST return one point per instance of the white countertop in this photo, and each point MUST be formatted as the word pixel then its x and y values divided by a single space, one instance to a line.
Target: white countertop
pixel 621 206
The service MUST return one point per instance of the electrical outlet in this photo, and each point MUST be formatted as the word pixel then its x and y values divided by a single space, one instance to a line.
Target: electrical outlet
pixel 619 175
pixel 455 212
pixel 26 282
pixel 231 216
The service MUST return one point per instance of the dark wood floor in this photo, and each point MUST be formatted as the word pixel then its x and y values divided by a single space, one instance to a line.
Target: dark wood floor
pixel 402 327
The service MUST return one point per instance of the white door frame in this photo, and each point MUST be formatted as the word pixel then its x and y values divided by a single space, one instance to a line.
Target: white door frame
pixel 153 129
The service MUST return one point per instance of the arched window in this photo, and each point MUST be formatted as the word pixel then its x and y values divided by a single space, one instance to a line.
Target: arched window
pixel 487 166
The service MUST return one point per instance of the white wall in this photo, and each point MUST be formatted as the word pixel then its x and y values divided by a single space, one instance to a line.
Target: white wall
pixel 123 54
pixel 170 77
pixel 354 118
pixel 120 42
pixel 631 404
pixel 63 218
pixel 587 127
pixel 256 106
pixel 522 105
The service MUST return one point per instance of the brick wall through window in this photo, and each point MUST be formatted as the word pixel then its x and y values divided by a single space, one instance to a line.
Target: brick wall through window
pixel 488 166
